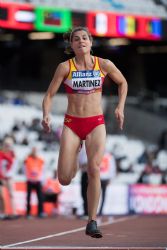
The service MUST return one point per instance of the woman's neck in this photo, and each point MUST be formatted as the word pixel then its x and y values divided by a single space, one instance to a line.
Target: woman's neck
pixel 84 62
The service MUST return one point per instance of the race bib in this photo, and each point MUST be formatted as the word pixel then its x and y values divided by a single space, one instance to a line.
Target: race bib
pixel 86 80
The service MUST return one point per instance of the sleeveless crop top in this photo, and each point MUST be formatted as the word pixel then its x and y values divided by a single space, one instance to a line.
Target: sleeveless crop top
pixel 84 81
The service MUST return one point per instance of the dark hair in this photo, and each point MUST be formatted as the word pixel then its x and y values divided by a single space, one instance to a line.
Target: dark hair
pixel 68 36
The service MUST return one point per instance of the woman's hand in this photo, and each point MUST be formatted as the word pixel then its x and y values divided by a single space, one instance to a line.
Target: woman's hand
pixel 119 113
pixel 46 124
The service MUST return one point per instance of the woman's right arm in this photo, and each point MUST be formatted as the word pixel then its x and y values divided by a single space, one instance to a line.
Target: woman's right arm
pixel 60 73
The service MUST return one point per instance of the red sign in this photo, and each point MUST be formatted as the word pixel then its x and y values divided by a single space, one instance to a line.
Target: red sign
pixel 109 24
pixel 148 199
pixel 17 16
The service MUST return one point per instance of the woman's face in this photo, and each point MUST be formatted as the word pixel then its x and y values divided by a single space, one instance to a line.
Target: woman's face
pixel 81 43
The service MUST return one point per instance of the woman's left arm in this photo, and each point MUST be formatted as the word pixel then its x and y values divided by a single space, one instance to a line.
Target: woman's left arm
pixel 115 74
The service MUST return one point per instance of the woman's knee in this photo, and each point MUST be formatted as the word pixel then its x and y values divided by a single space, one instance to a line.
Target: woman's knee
pixel 94 169
pixel 66 173
pixel 64 179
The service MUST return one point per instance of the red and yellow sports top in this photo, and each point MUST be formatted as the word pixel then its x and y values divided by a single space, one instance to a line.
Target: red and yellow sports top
pixel 84 81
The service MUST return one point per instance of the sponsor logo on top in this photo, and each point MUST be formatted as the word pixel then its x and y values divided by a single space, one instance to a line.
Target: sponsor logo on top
pixel 85 73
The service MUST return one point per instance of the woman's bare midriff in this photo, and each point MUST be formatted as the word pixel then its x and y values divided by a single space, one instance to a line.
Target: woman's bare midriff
pixel 84 105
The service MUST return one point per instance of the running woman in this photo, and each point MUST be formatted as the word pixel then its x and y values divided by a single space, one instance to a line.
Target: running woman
pixel 83 77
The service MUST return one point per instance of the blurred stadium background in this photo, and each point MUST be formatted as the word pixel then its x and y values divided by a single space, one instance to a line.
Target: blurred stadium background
pixel 132 34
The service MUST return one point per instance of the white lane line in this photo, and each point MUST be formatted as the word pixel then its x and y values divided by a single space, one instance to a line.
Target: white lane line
pixel 68 232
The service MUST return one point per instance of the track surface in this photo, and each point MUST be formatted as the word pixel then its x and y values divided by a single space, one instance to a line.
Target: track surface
pixel 129 232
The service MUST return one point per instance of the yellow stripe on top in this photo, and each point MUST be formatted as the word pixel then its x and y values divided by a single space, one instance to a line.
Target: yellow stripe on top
pixel 73 67
pixel 97 64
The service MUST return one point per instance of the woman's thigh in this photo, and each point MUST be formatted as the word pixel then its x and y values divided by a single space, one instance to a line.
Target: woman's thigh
pixel 69 147
pixel 95 145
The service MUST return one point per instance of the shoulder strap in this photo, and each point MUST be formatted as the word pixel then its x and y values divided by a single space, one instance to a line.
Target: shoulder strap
pixel 72 65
